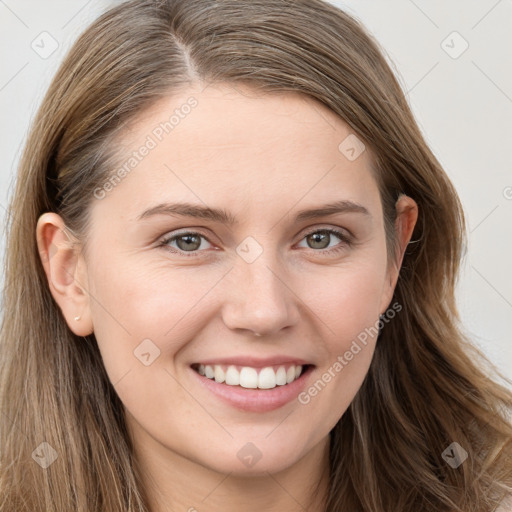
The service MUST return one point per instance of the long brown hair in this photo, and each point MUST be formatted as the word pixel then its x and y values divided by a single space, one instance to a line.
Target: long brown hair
pixel 427 386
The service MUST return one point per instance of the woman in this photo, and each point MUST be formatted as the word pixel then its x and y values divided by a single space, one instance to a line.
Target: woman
pixel 230 280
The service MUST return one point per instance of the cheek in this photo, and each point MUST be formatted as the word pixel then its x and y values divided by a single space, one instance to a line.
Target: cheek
pixel 352 314
pixel 349 299
pixel 349 309
pixel 137 309
pixel 142 318
pixel 148 299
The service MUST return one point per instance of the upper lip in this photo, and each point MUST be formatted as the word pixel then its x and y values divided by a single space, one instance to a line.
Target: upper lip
pixel 254 362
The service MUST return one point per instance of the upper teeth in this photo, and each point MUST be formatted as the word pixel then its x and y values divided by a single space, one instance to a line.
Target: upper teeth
pixel 248 377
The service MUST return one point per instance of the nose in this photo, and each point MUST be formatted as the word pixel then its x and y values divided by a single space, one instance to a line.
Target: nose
pixel 259 297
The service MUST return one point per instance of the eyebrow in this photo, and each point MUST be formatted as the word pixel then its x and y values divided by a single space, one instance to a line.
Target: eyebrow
pixel 225 217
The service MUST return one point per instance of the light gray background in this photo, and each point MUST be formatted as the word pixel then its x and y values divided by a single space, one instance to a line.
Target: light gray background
pixel 463 106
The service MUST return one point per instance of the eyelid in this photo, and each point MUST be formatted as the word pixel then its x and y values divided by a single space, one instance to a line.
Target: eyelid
pixel 327 227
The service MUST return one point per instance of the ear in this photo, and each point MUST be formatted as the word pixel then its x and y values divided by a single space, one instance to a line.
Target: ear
pixel 66 272
pixel 406 217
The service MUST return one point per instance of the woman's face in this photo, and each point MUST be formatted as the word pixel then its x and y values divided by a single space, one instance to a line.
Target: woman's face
pixel 220 229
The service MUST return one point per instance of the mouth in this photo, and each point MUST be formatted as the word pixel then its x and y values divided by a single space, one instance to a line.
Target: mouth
pixel 256 389
pixel 249 377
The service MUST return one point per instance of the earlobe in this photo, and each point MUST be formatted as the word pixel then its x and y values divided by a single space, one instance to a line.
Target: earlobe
pixel 63 266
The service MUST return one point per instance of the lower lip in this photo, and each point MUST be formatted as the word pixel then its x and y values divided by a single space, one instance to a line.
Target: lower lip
pixel 256 400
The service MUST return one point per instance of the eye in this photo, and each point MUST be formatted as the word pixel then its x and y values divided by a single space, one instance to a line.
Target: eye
pixel 321 239
pixel 191 242
pixel 187 241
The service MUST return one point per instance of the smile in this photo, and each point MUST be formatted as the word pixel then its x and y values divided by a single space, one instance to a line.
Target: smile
pixel 249 377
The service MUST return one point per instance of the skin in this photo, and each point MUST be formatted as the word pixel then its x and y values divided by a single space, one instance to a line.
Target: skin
pixel 263 158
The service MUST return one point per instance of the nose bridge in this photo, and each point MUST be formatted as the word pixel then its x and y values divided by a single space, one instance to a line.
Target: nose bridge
pixel 259 299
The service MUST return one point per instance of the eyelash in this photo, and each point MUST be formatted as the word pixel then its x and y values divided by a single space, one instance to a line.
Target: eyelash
pixel 334 250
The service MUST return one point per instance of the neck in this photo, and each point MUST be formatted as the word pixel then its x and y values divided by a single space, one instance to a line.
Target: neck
pixel 173 482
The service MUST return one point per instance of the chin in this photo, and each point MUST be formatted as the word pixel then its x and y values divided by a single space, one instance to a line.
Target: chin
pixel 254 458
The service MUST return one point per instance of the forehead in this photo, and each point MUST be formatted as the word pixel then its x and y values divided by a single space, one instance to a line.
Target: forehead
pixel 237 144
